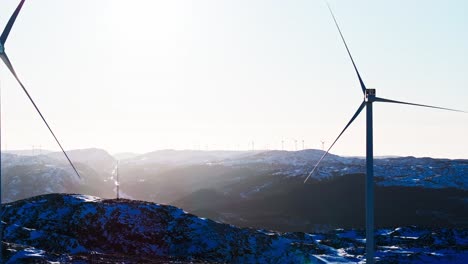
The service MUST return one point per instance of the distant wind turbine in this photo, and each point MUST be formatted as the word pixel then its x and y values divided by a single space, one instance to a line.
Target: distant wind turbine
pixel 117 180
pixel 369 98
pixel 7 62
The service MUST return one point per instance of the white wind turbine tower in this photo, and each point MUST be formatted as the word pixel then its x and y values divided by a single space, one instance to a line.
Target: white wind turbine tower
pixel 369 98
pixel 117 180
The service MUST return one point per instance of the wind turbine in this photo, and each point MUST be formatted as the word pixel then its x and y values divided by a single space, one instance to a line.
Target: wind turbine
pixel 7 62
pixel 369 98
pixel 117 180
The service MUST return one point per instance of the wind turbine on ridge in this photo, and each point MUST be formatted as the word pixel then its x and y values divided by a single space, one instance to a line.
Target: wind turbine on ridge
pixel 7 62
pixel 369 98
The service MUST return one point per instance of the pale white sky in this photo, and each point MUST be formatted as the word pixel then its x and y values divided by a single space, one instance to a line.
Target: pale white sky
pixel 146 75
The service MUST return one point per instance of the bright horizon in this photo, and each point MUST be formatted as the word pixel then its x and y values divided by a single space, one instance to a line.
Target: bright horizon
pixel 187 75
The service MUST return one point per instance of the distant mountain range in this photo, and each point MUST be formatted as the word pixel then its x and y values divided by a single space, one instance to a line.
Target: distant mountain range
pixel 85 229
pixel 257 189
pixel 28 152
pixel 125 155
pixel 26 176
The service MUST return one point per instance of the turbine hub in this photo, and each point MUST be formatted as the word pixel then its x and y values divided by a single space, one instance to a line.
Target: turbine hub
pixel 2 49
pixel 370 95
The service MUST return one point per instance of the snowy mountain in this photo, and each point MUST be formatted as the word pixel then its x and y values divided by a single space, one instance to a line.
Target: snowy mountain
pixel 125 155
pixel 289 158
pixel 399 171
pixel 78 228
pixel 258 189
pixel 184 157
pixel 26 176
pixel 28 152
pixel 97 159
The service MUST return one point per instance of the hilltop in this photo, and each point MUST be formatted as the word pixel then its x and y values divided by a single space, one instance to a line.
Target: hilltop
pixel 76 228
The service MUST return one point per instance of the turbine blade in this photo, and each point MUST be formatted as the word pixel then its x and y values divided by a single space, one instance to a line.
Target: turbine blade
pixel 363 86
pixel 10 23
pixel 378 99
pixel 363 104
pixel 10 67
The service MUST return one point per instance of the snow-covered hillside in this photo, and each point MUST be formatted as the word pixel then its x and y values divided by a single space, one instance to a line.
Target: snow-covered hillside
pixel 26 176
pixel 97 159
pixel 77 228
pixel 184 157
pixel 400 171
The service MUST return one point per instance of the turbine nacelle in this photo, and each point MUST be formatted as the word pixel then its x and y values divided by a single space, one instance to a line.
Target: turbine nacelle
pixel 369 95
pixel 369 98
pixel 2 48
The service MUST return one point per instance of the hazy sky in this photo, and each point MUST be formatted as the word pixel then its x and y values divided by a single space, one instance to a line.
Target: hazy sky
pixel 146 75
